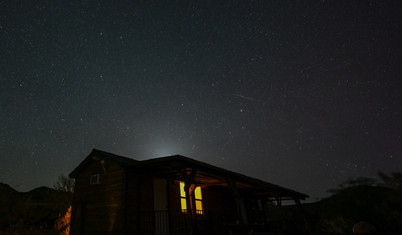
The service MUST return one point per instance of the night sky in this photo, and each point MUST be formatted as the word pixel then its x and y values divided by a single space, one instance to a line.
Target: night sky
pixel 304 94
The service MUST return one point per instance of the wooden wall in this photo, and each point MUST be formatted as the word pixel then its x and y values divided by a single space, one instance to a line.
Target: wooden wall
pixel 124 201
pixel 132 203
pixel 139 200
pixel 219 206
pixel 174 195
pixel 219 200
pixel 98 209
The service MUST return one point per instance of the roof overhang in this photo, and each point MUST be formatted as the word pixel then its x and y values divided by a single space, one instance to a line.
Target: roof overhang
pixel 179 167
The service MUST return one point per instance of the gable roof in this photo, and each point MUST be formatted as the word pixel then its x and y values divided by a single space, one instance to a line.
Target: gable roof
pixel 175 167
pixel 102 155
pixel 210 175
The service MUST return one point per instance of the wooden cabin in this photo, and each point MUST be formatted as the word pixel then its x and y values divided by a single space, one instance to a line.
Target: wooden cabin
pixel 169 195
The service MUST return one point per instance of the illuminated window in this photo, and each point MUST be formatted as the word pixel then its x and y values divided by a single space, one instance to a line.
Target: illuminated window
pixel 197 199
pixel 183 198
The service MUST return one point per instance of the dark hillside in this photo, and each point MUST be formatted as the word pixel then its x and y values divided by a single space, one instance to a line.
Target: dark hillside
pixel 34 210
pixel 6 188
pixel 380 206
pixel 39 195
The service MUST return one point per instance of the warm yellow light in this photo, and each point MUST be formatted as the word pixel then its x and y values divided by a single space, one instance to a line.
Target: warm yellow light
pixel 182 192
pixel 198 199
pixel 198 207
pixel 63 223
pixel 183 205
pixel 197 193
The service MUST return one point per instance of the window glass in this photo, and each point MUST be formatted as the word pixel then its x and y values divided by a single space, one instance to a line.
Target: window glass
pixel 95 179
pixel 198 206
pixel 197 200
pixel 197 193
pixel 182 192
pixel 183 205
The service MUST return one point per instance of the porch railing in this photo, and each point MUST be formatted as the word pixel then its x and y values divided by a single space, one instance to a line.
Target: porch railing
pixel 176 223
pixel 205 223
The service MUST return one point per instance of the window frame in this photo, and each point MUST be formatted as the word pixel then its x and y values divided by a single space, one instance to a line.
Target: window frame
pixel 198 211
pixel 95 179
pixel 196 200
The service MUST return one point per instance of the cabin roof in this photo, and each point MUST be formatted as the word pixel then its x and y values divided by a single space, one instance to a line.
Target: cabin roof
pixel 208 175
pixel 102 155
pixel 177 167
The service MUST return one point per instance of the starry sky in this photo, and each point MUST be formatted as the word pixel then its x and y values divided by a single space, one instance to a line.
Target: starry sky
pixel 304 94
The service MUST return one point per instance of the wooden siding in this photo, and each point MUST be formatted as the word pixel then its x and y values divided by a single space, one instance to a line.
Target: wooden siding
pixel 132 203
pixel 178 220
pixel 219 208
pixel 99 207
pixel 174 195
pixel 139 199
pixel 220 200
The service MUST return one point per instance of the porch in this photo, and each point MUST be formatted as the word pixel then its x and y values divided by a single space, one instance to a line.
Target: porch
pixel 202 223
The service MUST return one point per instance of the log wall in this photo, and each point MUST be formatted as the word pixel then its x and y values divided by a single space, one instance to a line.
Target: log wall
pixel 98 208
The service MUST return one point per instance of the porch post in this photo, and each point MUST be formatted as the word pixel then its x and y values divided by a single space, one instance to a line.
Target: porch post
pixel 189 189
pixel 232 185
pixel 169 205
pixel 279 205
pixel 298 203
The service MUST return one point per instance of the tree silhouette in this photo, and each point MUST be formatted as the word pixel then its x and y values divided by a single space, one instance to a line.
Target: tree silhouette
pixel 394 180
pixel 64 184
